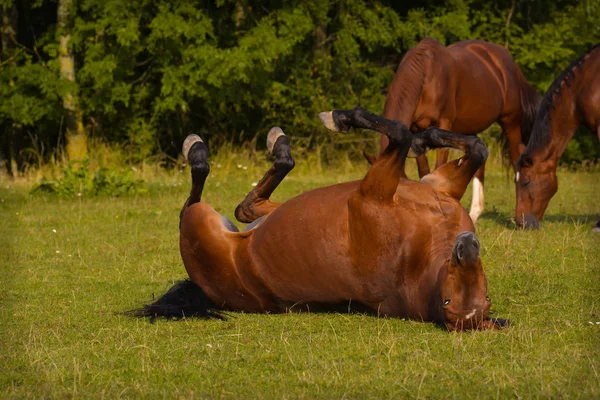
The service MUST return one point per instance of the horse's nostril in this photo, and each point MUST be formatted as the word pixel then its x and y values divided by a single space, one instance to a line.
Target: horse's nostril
pixel 529 221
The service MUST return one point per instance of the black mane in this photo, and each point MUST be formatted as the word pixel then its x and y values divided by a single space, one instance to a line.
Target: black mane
pixel 540 134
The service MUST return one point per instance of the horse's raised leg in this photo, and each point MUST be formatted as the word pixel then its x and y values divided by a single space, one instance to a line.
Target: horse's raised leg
pixel 441 157
pixel 208 242
pixel 257 203
pixel 453 177
pixel 195 153
pixel 382 179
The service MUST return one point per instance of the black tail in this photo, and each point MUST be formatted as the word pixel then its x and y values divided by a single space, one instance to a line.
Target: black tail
pixel 184 300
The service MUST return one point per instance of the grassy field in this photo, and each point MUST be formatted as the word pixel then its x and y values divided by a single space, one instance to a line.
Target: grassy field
pixel 69 267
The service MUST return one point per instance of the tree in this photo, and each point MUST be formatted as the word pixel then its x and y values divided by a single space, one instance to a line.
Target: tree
pixel 144 74
pixel 12 135
pixel 76 139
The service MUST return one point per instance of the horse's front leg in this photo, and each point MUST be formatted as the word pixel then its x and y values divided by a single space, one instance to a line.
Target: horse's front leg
pixel 453 177
pixel 257 203
pixel 387 171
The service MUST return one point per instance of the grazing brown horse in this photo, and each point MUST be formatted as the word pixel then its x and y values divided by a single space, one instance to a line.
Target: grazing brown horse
pixel 394 246
pixel 465 88
pixel 572 99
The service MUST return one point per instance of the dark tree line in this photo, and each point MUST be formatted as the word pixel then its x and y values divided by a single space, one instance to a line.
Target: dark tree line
pixel 143 74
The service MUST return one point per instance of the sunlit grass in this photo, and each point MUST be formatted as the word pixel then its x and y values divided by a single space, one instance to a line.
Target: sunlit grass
pixel 69 267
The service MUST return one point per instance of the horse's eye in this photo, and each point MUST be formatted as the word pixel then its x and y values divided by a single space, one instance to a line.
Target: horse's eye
pixel 525 183
pixel 446 302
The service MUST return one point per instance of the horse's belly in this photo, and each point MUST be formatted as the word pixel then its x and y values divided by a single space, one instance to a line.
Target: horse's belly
pixel 300 252
pixel 320 247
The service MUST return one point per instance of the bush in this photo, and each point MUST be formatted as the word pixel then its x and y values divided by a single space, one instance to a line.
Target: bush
pixel 78 180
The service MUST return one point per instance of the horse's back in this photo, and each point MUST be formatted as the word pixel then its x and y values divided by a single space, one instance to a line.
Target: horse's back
pixel 488 84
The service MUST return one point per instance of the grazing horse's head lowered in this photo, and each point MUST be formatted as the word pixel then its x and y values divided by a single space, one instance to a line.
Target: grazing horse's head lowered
pixel 387 244
pixel 571 101
pixel 536 183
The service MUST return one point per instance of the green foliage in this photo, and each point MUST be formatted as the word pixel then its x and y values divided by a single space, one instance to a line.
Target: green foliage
pixel 230 69
pixel 78 180
pixel 584 146
pixel 141 141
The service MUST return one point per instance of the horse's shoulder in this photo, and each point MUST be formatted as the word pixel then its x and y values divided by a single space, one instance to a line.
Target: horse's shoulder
pixel 416 192
pixel 424 195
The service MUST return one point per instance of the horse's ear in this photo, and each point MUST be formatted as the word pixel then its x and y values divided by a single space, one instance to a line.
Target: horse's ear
pixel 521 148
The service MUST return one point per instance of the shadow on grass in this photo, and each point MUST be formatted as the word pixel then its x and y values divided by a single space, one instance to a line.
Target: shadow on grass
pixel 499 218
pixel 343 308
pixel 508 221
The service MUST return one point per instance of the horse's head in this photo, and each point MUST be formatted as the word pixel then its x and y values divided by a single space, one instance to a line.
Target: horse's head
pixel 465 303
pixel 536 183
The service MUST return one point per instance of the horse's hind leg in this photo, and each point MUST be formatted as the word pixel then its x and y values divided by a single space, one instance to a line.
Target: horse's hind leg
pixel 209 244
pixel 453 177
pixel 382 179
pixel 195 152
pixel 257 203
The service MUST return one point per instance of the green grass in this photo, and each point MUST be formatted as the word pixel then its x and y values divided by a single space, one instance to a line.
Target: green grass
pixel 62 333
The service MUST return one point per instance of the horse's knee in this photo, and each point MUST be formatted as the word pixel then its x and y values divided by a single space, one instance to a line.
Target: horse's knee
pixel 401 135
pixel 478 152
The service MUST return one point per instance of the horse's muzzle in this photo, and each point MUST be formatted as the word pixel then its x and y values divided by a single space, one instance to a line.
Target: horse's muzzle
pixel 529 221
pixel 466 248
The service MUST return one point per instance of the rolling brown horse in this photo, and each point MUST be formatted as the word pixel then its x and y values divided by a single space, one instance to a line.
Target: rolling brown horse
pixel 572 99
pixel 465 88
pixel 394 246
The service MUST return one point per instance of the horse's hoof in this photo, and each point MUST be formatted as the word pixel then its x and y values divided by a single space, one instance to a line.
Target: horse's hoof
pixel 188 143
pixel 596 228
pixel 326 118
pixel 272 137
